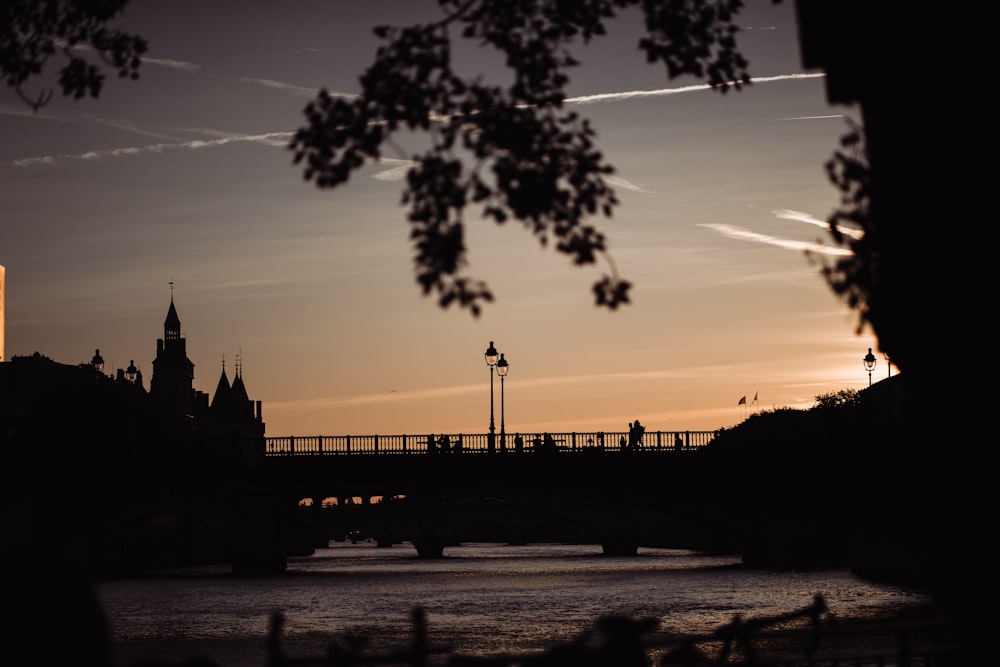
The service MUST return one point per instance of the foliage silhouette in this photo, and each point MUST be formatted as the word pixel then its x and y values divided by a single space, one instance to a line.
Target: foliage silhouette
pixel 34 31
pixel 531 161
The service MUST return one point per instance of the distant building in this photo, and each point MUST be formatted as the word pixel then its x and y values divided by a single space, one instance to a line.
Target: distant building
pixel 172 385
pixel 230 422
pixel 49 409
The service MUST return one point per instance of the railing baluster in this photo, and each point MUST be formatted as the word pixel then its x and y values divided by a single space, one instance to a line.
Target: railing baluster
pixel 472 443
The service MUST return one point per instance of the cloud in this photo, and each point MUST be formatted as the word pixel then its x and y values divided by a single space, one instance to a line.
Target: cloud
pixel 826 117
pixel 396 396
pixel 42 114
pixel 300 91
pixel 788 214
pixel 172 64
pixel 619 182
pixel 269 138
pixel 128 127
pixel 161 62
pixel 738 233
pixel 625 95
pixel 398 173
pixel 393 174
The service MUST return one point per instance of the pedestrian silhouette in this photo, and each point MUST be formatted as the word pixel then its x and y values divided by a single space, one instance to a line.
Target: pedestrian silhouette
pixel 444 444
pixel 536 443
pixel 678 443
pixel 550 444
pixel 621 441
pixel 635 434
pixel 518 443
pixel 431 445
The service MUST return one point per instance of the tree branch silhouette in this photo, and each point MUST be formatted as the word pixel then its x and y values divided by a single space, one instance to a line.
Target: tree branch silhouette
pixel 33 32
pixel 513 151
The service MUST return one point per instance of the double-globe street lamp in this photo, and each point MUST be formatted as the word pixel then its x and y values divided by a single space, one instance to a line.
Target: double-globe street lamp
pixel 496 360
pixel 869 362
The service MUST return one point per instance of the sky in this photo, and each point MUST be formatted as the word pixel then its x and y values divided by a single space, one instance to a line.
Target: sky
pixel 180 185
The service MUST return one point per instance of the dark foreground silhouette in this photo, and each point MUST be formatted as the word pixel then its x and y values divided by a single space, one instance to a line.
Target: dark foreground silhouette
pixel 806 636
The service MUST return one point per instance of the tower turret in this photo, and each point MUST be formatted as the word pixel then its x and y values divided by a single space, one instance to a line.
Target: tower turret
pixel 172 384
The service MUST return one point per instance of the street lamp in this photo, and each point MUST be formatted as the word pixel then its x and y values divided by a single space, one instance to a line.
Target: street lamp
pixel 502 367
pixel 97 362
pixel 869 365
pixel 131 373
pixel 491 361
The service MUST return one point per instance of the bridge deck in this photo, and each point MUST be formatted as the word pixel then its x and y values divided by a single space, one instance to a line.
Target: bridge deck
pixel 479 443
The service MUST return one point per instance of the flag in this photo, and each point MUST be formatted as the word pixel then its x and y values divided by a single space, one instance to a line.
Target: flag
pixel 743 401
pixel 755 397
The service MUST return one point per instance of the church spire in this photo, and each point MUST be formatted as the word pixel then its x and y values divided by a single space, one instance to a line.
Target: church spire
pixel 172 325
pixel 172 384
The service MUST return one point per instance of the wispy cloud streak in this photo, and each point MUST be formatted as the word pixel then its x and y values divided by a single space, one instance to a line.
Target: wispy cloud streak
pixel 395 173
pixel 170 63
pixel 300 91
pixel 788 214
pixel 396 396
pixel 268 138
pixel 631 94
pixel 741 234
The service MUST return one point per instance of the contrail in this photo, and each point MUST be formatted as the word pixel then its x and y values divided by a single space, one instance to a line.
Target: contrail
pixel 741 234
pixel 787 214
pixel 613 97
pixel 267 138
pixel 394 174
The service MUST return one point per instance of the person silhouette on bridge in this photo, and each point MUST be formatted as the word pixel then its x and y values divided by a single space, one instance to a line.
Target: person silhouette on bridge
pixel 518 443
pixel 431 444
pixel 536 443
pixel 621 441
pixel 678 443
pixel 444 443
pixel 550 444
pixel 635 434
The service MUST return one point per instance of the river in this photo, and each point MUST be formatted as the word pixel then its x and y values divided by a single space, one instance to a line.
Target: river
pixel 482 599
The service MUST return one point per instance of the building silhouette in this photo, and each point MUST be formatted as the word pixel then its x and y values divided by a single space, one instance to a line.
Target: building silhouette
pixel 172 385
pixel 51 410
pixel 226 422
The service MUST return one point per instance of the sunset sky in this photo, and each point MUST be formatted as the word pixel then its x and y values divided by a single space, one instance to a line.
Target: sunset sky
pixel 183 177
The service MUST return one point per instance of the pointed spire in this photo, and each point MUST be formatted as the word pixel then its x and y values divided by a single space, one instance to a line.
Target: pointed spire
pixel 223 392
pixel 172 325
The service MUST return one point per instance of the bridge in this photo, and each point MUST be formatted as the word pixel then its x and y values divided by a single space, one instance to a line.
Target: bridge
pixel 289 495
pixel 580 487
pixel 481 443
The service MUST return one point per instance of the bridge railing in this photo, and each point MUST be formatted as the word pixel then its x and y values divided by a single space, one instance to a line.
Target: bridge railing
pixel 479 443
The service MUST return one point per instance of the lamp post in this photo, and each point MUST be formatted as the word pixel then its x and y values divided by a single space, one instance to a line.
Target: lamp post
pixel 131 373
pixel 869 365
pixel 491 361
pixel 502 367
pixel 97 362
